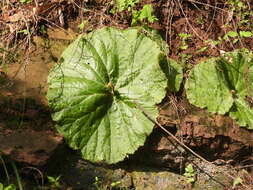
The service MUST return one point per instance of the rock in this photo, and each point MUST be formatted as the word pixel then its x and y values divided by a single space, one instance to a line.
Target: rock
pixel 80 174
pixel 157 180
pixel 32 147
pixel 219 178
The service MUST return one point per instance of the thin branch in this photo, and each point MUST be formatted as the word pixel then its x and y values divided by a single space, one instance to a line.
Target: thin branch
pixel 173 136
pixel 187 148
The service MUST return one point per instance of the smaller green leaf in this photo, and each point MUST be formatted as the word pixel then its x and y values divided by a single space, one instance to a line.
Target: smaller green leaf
pixel 145 13
pixel 25 1
pixel 10 187
pixel 231 34
pixel 81 26
pixel 237 181
pixel 42 29
pixel 240 4
pixel 184 35
pixel 245 34
pixel 224 84
pixel 189 173
pixel 184 47
pixel 189 170
pixel 50 178
pixel 116 183
pixel 25 31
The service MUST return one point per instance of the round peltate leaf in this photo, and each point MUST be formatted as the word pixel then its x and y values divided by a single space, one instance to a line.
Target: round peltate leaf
pixel 206 87
pixel 95 92
pixel 224 84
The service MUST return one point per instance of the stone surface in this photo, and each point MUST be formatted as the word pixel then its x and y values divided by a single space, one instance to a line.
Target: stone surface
pixel 32 147
pixel 80 174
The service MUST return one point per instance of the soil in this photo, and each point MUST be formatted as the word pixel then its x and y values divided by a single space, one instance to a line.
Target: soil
pixel 53 24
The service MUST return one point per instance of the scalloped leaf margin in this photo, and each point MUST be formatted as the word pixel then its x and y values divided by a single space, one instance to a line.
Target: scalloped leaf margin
pixel 96 90
pixel 224 84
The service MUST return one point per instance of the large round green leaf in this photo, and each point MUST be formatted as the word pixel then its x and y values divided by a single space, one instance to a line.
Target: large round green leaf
pixel 206 87
pixel 224 84
pixel 97 89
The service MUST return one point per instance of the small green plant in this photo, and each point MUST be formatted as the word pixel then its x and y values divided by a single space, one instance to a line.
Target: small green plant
pixel 242 12
pixel 200 20
pixel 25 31
pixel 231 34
pixel 42 29
pixel 25 1
pixel 213 43
pixel 190 174
pixel 236 4
pixel 98 184
pixel 17 175
pixel 237 181
pixel 82 25
pixel 184 40
pixel 235 35
pixel 9 187
pixel 245 34
pixel 54 181
pixel 125 4
pixel 146 13
pixel 115 183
